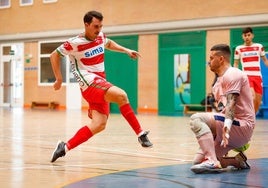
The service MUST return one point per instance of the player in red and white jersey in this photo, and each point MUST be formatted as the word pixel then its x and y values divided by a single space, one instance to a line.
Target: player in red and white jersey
pixel 86 53
pixel 249 54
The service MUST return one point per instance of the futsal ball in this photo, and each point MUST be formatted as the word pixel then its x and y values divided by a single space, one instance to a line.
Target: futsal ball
pixel 243 148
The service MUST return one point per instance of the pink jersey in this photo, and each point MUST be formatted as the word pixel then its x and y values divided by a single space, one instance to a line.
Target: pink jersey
pixel 86 58
pixel 249 57
pixel 236 81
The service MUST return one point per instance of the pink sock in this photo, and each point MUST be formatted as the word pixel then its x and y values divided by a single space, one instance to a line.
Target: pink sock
pixel 130 116
pixel 206 143
pixel 81 136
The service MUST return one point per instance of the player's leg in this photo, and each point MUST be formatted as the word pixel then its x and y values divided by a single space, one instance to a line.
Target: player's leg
pixel 199 157
pixel 239 161
pixel 257 91
pixel 98 111
pixel 257 102
pixel 239 137
pixel 97 124
pixel 202 124
pixel 117 95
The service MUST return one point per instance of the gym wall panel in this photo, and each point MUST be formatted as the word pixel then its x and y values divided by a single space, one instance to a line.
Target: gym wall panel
pixel 121 70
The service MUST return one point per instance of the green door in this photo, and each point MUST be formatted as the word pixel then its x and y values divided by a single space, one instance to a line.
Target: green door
pixel 182 71
pixel 121 70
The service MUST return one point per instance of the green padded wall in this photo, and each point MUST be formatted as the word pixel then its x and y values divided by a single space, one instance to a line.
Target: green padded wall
pixel 121 70
pixel 192 43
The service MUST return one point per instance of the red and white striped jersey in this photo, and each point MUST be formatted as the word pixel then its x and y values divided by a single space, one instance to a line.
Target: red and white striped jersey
pixel 86 58
pixel 249 57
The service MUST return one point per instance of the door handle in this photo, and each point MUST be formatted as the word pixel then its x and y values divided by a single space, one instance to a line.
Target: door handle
pixel 6 85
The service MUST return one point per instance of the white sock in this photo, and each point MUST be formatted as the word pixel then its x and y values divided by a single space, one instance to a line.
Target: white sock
pixel 141 133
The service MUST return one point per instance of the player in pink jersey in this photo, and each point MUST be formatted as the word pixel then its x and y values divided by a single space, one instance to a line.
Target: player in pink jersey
pixel 249 55
pixel 218 133
pixel 86 52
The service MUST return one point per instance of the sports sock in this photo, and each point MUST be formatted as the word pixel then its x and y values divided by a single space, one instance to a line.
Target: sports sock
pixel 81 136
pixel 206 143
pixel 199 157
pixel 130 116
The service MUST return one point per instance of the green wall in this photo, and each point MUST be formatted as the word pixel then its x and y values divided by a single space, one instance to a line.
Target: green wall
pixel 121 70
pixel 192 43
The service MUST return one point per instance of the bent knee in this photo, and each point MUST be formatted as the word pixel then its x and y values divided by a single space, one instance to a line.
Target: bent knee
pixel 122 98
pixel 198 126
pixel 96 128
pixel 102 126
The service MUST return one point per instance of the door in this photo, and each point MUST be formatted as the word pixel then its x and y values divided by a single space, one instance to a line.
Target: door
pixel 11 75
pixel 182 71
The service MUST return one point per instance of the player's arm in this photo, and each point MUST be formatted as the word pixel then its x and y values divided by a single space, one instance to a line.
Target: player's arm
pixel 236 57
pixel 229 116
pixel 265 60
pixel 236 63
pixel 112 45
pixel 56 67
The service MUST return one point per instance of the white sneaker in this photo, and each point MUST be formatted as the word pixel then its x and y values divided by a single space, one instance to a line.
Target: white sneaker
pixel 206 167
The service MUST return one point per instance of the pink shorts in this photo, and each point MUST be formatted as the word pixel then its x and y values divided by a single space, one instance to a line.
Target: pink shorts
pixel 94 95
pixel 240 133
pixel 255 82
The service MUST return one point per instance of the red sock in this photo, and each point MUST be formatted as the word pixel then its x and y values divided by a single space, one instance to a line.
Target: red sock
pixel 81 136
pixel 129 115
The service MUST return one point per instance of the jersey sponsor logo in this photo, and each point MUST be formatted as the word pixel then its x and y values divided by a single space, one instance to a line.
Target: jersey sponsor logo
pixel 95 51
pixel 77 76
pixel 250 54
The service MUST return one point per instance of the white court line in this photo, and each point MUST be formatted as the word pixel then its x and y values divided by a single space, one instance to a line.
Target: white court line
pixel 115 151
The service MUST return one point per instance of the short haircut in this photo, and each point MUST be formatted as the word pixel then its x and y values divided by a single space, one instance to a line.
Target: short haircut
pixel 247 30
pixel 89 16
pixel 222 49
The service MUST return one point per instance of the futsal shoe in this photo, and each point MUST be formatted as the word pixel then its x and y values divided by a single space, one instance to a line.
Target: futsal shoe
pixel 206 167
pixel 59 151
pixel 144 141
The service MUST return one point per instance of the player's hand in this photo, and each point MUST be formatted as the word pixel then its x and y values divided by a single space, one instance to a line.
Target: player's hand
pixel 57 84
pixel 225 137
pixel 133 54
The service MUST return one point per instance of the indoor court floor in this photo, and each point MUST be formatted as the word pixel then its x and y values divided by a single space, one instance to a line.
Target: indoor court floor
pixel 113 158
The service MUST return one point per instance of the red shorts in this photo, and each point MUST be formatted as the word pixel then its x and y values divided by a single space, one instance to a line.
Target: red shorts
pixel 255 82
pixel 94 95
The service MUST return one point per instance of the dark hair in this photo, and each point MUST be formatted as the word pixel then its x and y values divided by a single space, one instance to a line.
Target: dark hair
pixel 247 30
pixel 223 49
pixel 89 16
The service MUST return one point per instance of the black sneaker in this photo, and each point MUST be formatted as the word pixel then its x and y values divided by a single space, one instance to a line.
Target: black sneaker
pixel 144 141
pixel 59 151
